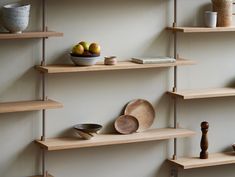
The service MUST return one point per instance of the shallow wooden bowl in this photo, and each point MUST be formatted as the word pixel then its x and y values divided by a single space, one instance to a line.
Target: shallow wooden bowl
pixel 126 124
pixel 143 111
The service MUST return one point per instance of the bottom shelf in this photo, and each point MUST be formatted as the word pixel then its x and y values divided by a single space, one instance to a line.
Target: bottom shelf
pixel 112 139
pixel 42 176
pixel 215 159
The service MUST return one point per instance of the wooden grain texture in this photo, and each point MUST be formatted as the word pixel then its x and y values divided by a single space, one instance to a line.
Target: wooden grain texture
pixel 204 140
pixel 201 29
pixel 126 124
pixel 143 111
pixel 22 106
pixel 203 93
pixel 101 67
pixel 213 160
pixel 108 139
pixel 28 35
pixel 42 176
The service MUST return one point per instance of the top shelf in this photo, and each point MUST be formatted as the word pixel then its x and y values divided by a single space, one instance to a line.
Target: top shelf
pixel 30 35
pixel 201 29
pixel 101 67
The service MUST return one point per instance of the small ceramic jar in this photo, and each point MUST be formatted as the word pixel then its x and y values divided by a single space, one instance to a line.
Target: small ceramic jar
pixel 111 60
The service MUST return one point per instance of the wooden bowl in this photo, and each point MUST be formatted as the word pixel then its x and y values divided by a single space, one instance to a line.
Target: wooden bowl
pixel 126 124
pixel 143 111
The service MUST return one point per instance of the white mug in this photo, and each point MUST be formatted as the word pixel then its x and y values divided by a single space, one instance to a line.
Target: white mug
pixel 210 19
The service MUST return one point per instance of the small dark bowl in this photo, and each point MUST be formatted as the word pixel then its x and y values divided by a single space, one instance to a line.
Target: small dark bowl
pixel 88 128
pixel 233 146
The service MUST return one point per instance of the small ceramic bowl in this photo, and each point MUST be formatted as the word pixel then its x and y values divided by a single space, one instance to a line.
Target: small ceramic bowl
pixel 84 135
pixel 87 131
pixel 84 61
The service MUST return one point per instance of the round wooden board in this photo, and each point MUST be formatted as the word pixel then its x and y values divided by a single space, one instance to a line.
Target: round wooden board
pixel 143 111
pixel 126 124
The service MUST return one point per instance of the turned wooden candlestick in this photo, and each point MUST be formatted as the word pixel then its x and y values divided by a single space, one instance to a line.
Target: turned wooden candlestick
pixel 204 140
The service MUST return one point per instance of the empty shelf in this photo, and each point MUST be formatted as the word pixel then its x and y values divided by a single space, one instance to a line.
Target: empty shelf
pixel 101 67
pixel 22 106
pixel 204 93
pixel 42 176
pixel 30 35
pixel 196 162
pixel 109 139
pixel 201 29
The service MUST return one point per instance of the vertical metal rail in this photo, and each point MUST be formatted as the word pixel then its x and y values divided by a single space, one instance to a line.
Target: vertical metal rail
pixel 175 77
pixel 43 62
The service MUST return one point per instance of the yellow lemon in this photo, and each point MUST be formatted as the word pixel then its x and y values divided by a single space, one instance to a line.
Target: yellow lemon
pixel 78 49
pixel 95 48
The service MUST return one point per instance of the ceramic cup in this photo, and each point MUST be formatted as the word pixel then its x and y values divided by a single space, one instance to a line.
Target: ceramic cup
pixel 210 19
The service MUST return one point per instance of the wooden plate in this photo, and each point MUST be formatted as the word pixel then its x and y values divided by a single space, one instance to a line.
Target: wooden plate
pixel 126 124
pixel 143 111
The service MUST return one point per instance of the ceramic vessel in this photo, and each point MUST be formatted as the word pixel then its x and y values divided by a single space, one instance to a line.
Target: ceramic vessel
pixel 112 60
pixel 224 8
pixel 84 61
pixel 210 19
pixel 16 17
pixel 87 131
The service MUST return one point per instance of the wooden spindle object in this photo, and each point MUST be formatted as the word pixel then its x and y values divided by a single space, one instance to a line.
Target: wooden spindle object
pixel 204 140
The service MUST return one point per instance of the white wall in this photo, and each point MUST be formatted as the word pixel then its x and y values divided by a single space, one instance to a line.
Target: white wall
pixel 124 28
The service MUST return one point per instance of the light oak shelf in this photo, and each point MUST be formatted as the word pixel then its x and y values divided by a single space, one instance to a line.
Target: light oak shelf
pixel 203 93
pixel 200 29
pixel 214 160
pixel 22 106
pixel 42 176
pixel 109 139
pixel 127 65
pixel 30 35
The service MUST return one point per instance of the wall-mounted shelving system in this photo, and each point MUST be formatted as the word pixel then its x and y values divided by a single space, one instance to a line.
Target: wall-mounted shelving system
pixel 215 159
pixel 39 104
pixel 56 144
pixel 102 140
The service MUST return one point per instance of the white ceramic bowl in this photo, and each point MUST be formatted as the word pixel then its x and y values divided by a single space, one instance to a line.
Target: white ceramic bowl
pixel 84 61
pixel 16 17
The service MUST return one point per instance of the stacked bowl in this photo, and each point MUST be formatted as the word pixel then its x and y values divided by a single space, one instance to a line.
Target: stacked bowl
pixel 16 17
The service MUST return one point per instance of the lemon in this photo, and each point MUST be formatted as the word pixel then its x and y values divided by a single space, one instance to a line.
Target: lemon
pixel 78 49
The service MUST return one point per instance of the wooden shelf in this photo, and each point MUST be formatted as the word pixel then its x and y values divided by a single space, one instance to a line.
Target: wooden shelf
pixel 22 106
pixel 203 93
pixel 101 67
pixel 108 139
pixel 42 176
pixel 200 29
pixel 214 160
pixel 30 35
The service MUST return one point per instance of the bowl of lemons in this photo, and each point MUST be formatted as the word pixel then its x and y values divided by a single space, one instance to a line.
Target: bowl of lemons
pixel 85 54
